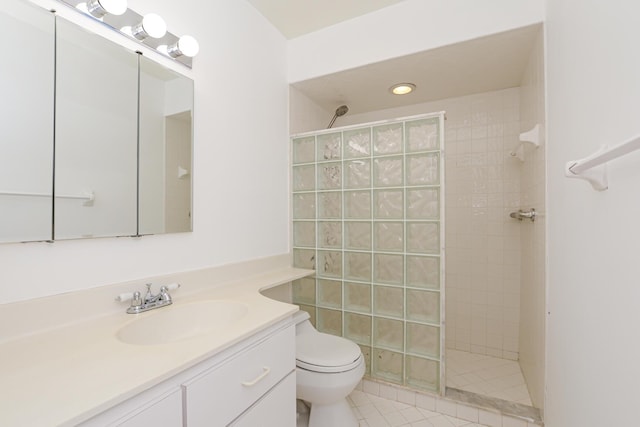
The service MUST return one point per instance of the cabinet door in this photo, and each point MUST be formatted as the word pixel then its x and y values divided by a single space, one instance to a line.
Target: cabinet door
pixel 164 410
pixel 165 413
pixel 276 408
pixel 219 395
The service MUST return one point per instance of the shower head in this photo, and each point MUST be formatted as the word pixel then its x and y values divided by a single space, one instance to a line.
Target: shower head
pixel 340 111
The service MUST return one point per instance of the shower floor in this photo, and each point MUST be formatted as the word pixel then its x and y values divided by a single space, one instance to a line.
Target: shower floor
pixel 486 375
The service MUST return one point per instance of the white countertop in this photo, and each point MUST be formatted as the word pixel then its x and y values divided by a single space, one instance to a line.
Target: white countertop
pixel 66 375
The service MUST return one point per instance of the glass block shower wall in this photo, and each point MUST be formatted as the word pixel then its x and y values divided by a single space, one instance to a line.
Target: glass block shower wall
pixel 367 216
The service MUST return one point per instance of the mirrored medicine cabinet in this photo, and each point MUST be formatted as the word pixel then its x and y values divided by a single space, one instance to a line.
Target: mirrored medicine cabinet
pixel 96 139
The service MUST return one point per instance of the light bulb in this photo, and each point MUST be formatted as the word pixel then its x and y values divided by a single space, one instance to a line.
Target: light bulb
pixel 99 8
pixel 402 88
pixel 186 45
pixel 152 25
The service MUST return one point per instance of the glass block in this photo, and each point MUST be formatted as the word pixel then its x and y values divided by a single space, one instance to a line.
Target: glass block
pixel 329 176
pixel 423 340
pixel 357 174
pixel 312 313
pixel 423 169
pixel 423 237
pixel 329 321
pixel 387 139
pixel 304 233
pixel 330 293
pixel 357 204
pixel 387 365
pixel 423 272
pixel 423 306
pixel 329 146
pixel 329 264
pixel 357 328
pixel 423 373
pixel 357 143
pixel 304 291
pixel 330 205
pixel 423 135
pixel 357 266
pixel 388 204
pixel 330 234
pixel 357 297
pixel 357 235
pixel 388 333
pixel 304 206
pixel 389 269
pixel 423 203
pixel 304 150
pixel 389 236
pixel 388 301
pixel 387 172
pixel 304 178
pixel 366 353
pixel 304 258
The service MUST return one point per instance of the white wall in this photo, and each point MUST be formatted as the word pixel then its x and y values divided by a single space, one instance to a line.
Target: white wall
pixel 304 114
pixel 240 168
pixel 408 27
pixel 593 350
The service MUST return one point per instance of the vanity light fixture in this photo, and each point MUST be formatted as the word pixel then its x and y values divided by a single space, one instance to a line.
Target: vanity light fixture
pixel 99 8
pixel 186 45
pixel 402 88
pixel 152 25
pixel 149 30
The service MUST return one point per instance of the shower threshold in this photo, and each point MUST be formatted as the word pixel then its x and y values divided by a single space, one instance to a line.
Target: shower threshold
pixel 505 407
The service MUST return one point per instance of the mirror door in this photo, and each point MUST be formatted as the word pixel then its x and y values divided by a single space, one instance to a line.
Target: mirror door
pixel 26 133
pixel 166 106
pixel 96 130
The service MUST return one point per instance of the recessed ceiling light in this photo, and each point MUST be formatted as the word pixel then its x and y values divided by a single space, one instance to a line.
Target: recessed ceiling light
pixel 402 88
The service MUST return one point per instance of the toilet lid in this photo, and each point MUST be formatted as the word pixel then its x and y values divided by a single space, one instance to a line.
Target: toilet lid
pixel 321 352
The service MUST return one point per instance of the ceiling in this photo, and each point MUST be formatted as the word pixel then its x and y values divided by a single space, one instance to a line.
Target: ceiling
pixel 297 17
pixel 481 65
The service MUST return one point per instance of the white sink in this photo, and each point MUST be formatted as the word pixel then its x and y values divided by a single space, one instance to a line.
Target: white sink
pixel 182 321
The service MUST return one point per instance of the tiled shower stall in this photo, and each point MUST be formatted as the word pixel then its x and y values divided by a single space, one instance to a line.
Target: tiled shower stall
pixel 367 216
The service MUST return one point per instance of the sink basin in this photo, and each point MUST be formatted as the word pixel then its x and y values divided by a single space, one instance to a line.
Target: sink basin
pixel 182 321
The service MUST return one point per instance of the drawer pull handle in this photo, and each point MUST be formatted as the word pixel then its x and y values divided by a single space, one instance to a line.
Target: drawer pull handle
pixel 258 379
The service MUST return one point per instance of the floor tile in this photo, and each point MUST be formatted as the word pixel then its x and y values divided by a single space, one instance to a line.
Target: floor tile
pixel 486 375
pixel 374 411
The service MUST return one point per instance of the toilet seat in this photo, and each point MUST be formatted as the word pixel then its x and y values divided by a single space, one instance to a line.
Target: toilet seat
pixel 319 352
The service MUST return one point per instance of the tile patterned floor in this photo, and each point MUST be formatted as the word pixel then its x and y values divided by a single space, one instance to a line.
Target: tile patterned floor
pixel 486 375
pixel 374 411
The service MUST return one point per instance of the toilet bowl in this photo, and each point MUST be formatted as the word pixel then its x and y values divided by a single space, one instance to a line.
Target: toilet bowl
pixel 328 368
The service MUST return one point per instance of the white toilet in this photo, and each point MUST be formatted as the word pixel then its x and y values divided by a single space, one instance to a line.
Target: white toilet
pixel 328 368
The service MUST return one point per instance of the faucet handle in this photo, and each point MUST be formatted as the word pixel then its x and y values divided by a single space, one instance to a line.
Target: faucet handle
pixel 172 286
pixel 136 300
pixel 148 296
pixel 125 297
pixel 134 297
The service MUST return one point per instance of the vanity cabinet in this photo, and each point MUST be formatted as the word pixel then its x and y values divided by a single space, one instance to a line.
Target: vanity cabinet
pixel 163 412
pixel 224 392
pixel 250 384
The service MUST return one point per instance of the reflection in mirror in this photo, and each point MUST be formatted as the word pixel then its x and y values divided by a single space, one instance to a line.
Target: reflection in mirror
pixel 166 105
pixel 26 132
pixel 95 136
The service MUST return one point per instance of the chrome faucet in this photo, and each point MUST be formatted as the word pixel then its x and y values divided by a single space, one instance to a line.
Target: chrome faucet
pixel 150 301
